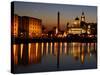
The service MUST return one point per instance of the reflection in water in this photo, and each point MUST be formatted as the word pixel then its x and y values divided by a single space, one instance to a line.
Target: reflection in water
pixel 76 50
pixel 60 48
pixel 47 48
pixel 36 49
pixel 51 48
pixel 55 52
pixel 29 51
pixel 88 50
pixel 15 50
pixel 21 50
pixel 65 48
pixel 82 52
pixel 42 47
pixel 34 52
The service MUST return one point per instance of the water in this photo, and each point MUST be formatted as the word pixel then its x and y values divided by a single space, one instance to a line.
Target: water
pixel 40 57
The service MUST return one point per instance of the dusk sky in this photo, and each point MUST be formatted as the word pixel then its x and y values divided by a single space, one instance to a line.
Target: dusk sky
pixel 48 12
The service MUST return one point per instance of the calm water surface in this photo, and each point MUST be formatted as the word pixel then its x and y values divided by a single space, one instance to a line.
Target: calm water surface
pixel 38 57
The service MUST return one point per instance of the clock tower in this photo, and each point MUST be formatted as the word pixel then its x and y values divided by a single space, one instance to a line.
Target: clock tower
pixel 83 17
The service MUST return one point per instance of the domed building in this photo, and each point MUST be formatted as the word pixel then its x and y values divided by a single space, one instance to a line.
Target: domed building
pixel 76 22
pixel 76 28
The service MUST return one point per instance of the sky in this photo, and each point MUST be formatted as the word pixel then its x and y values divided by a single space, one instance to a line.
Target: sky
pixel 48 12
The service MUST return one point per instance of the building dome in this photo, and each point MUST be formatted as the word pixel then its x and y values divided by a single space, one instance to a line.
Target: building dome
pixel 76 18
pixel 76 22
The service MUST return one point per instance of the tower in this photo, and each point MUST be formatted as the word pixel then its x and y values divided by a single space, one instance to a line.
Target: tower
pixel 83 17
pixel 58 21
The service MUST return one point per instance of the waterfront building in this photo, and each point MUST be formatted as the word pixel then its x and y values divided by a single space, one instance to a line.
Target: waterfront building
pixel 35 27
pixel 15 25
pixel 31 27
pixel 26 27
pixel 76 27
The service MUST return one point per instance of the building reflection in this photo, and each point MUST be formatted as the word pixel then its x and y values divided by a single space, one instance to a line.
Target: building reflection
pixel 42 47
pixel 55 48
pixel 88 50
pixel 82 54
pixel 47 48
pixel 15 52
pixel 65 48
pixel 32 53
pixel 21 50
pixel 60 48
pixel 51 45
pixel 76 50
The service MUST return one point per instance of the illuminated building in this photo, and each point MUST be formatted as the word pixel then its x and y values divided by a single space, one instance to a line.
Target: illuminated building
pixel 83 24
pixel 83 17
pixel 76 28
pixel 31 27
pixel 89 29
pixel 76 23
pixel 25 27
pixel 15 25
pixel 35 27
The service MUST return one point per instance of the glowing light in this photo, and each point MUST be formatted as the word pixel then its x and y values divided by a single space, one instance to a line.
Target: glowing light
pixel 15 26
pixel 42 47
pixel 75 30
pixel 88 47
pixel 82 58
pixel 65 47
pixel 36 49
pixel 21 50
pixel 55 48
pixel 75 22
pixel 82 55
pixel 60 47
pixel 15 47
pixel 51 48
pixel 29 47
pixel 88 31
pixel 47 48
pixel 65 34
pixel 89 26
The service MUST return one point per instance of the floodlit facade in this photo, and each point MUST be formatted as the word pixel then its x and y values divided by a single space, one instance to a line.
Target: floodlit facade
pixel 76 28
pixel 14 25
pixel 35 27
pixel 31 27
pixel 26 27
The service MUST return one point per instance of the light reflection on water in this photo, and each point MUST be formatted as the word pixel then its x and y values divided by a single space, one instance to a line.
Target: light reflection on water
pixel 39 53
